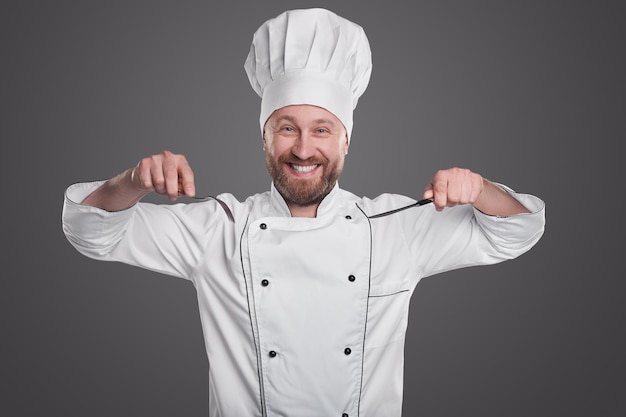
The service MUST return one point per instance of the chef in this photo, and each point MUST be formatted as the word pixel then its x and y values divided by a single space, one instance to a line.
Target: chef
pixel 304 293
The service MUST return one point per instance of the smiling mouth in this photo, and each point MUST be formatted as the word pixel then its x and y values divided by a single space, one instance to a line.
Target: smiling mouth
pixel 303 169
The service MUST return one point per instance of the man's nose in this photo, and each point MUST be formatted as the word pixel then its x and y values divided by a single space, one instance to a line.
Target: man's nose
pixel 303 147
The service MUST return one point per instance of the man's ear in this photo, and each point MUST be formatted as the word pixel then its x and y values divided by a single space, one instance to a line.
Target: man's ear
pixel 347 144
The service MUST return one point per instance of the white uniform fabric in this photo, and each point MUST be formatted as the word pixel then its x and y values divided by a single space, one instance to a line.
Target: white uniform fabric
pixel 301 316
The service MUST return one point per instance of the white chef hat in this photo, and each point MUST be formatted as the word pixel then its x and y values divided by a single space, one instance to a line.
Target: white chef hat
pixel 309 56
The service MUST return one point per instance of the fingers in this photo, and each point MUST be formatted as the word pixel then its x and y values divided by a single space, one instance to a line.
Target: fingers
pixel 186 182
pixel 454 186
pixel 166 173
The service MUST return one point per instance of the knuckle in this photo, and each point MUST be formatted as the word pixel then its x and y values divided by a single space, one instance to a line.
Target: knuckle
pixel 154 159
pixel 144 162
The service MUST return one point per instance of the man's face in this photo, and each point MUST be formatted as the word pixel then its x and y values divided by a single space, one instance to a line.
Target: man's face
pixel 305 148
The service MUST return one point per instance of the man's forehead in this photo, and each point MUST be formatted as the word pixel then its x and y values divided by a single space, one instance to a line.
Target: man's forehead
pixel 305 113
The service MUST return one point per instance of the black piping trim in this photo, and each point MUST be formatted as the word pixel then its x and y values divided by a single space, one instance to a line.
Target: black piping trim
pixel 369 287
pixel 387 213
pixel 387 295
pixel 256 345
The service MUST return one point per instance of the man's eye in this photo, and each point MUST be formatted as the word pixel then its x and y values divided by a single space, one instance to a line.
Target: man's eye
pixel 322 130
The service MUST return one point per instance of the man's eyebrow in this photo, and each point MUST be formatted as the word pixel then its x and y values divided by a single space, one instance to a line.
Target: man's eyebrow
pixel 324 121
pixel 287 118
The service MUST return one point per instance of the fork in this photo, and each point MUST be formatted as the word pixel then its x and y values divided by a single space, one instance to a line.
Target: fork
pixel 229 213
pixel 416 204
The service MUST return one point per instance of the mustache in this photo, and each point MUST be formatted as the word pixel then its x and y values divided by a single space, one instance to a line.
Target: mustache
pixel 291 159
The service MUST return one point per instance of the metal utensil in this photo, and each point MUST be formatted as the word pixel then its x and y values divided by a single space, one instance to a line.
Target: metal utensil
pixel 387 213
pixel 229 214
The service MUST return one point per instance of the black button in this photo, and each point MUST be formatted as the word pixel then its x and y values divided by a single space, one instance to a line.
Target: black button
pixel 265 283
pixel 348 217
pixel 344 415
pixel 263 226
pixel 272 354
pixel 351 278
pixel 347 351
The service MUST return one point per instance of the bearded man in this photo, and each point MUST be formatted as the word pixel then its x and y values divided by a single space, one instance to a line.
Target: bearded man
pixel 304 289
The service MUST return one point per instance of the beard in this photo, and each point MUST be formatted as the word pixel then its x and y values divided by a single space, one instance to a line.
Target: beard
pixel 307 191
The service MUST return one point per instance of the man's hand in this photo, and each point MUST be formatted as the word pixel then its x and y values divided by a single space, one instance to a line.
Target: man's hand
pixel 167 174
pixel 454 186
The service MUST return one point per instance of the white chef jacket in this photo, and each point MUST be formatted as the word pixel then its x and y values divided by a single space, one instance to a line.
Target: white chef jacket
pixel 302 316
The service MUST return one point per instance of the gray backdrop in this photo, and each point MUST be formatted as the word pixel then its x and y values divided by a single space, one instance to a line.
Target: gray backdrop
pixel 528 93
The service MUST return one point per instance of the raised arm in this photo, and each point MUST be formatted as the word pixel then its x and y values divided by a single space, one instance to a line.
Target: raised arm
pixel 166 173
pixel 461 186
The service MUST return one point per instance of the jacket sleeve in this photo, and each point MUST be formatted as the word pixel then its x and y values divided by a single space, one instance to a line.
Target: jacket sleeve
pixel 463 236
pixel 169 239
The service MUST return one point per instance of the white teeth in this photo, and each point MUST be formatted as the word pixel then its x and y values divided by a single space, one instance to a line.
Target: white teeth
pixel 302 168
